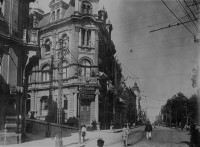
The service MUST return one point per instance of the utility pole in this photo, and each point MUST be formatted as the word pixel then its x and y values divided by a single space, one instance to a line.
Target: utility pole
pixel 170 116
pixel 115 84
pixel 48 126
pixel 59 142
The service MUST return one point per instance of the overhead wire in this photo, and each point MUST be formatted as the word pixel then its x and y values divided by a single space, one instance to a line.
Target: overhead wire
pixel 177 18
pixel 185 11
pixel 190 9
pixel 195 2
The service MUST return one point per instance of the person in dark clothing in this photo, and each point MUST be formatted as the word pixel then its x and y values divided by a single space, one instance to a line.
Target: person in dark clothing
pixel 195 136
pixel 100 142
pixel 148 130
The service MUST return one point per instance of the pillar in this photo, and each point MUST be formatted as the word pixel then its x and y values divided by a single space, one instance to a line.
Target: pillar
pixel 75 104
pixel 85 41
pixel 92 38
pixel 32 100
pixel 97 107
pixel 80 34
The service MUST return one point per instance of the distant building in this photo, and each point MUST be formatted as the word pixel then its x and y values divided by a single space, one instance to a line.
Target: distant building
pixel 77 24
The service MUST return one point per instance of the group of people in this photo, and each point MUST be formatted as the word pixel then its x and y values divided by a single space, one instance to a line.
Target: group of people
pixel 194 139
pixel 100 141
pixel 126 132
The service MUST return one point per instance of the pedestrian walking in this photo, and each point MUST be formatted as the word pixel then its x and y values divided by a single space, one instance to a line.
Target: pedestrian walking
pixel 125 132
pixel 195 136
pixel 148 130
pixel 83 132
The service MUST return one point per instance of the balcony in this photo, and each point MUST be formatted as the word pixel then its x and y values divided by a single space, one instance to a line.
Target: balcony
pixel 30 38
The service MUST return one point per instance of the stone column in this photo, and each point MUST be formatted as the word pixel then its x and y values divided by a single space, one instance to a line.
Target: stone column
pixel 75 104
pixel 32 100
pixel 80 35
pixel 39 106
pixel 92 38
pixel 85 41
pixel 97 107
pixel 97 110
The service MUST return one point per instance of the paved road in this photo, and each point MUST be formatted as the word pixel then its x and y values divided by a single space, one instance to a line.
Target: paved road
pixel 161 137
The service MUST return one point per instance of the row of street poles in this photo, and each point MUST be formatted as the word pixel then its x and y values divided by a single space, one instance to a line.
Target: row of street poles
pixel 62 49
pixel 61 46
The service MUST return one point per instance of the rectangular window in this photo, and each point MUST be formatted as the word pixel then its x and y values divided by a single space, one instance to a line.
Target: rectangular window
pixel 88 37
pixel 65 104
pixel 83 37
pixel 81 108
pixel 88 108
pixel 64 73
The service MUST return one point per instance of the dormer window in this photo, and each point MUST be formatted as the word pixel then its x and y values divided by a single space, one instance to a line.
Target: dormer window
pixel 86 8
pixel 58 14
pixel 53 17
pixel 47 45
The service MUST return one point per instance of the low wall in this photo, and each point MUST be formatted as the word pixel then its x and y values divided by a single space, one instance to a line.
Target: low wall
pixel 39 127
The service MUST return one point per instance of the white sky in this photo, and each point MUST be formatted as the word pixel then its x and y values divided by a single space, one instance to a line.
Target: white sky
pixel 162 60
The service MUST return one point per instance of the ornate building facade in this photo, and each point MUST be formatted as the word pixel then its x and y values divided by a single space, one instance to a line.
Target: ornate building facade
pixel 77 25
pixel 13 58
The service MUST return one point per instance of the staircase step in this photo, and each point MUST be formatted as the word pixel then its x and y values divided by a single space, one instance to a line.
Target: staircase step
pixel 11 117
pixel 10 125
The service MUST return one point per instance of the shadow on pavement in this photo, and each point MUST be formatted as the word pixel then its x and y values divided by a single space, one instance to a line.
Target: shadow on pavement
pixel 186 142
pixel 41 135
pixel 70 144
pixel 76 143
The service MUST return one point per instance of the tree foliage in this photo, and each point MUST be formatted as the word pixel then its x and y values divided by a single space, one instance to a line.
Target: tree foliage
pixel 180 109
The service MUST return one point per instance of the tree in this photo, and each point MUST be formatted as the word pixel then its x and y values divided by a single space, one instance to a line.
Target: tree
pixel 175 110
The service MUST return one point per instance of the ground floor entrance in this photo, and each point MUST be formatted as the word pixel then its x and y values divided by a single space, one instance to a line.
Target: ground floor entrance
pixel 85 115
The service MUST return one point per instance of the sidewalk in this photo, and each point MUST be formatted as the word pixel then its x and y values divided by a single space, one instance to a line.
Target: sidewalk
pixel 72 140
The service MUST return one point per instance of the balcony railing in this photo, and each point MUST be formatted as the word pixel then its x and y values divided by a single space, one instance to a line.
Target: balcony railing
pixel 30 36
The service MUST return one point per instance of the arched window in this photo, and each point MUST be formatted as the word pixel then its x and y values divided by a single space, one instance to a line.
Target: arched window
pixel 86 7
pixel 86 69
pixel 65 41
pixel 58 14
pixel 45 73
pixel 65 70
pixel 44 105
pixel 47 45
pixel 53 16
